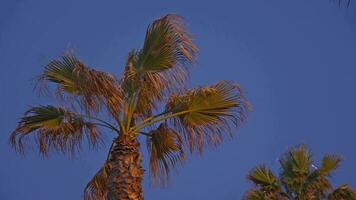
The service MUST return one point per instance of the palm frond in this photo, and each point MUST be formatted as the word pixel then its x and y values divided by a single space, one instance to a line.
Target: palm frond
pixel 166 151
pixel 161 65
pixel 344 192
pixel 265 179
pixel 98 187
pixel 296 166
pixel 316 185
pixel 329 164
pixel 75 81
pixel 205 114
pixel 167 45
pixel 54 127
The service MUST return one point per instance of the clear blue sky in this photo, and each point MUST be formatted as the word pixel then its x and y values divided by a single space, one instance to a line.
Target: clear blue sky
pixel 295 59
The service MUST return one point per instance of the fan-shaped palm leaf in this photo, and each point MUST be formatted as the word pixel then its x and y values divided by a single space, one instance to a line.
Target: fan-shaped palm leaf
pixel 296 165
pixel 90 87
pixel 329 164
pixel 54 127
pixel 265 179
pixel 161 63
pixel 204 114
pixel 166 151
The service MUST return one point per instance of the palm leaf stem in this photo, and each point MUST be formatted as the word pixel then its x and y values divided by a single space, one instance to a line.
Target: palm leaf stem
pixel 135 129
pixel 104 123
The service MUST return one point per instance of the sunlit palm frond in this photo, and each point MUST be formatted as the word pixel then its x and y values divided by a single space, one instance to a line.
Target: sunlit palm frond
pixel 317 184
pixel 296 166
pixel 56 128
pixel 167 45
pixel 161 65
pixel 145 87
pixel 264 179
pixel 329 164
pixel 89 87
pixel 343 192
pixel 98 187
pixel 166 152
pixel 206 114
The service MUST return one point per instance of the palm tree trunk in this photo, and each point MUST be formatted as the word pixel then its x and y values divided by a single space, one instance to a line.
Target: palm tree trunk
pixel 125 180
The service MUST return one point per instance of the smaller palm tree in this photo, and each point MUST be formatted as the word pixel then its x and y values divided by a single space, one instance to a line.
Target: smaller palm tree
pixel 300 179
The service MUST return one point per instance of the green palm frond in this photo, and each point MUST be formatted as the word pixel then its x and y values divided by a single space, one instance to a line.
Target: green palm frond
pixel 166 151
pixel 329 164
pixel 98 187
pixel 296 164
pixel 161 65
pixel 87 86
pixel 54 127
pixel 265 179
pixel 205 114
pixel 344 192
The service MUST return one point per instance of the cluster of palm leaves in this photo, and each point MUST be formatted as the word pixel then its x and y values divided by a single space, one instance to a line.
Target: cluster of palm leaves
pixel 150 99
pixel 299 179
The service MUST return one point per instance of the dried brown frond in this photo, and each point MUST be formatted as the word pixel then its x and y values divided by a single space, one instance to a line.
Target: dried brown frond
pixel 97 188
pixel 54 128
pixel 208 113
pixel 166 152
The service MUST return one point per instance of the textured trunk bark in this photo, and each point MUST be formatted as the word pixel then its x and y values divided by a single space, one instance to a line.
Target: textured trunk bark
pixel 125 180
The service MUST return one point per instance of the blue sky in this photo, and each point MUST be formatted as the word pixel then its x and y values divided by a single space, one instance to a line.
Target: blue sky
pixel 295 60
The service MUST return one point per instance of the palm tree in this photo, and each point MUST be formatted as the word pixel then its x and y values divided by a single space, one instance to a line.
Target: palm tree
pixel 149 100
pixel 300 179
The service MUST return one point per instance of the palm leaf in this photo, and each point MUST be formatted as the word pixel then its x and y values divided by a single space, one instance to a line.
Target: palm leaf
pixel 98 187
pixel 329 164
pixel 265 179
pixel 161 64
pixel 344 192
pixel 166 151
pixel 204 114
pixel 296 164
pixel 54 127
pixel 88 87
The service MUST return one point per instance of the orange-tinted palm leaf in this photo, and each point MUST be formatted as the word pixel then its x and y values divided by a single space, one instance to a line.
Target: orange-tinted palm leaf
pixel 166 151
pixel 56 128
pixel 89 87
pixel 161 65
pixel 208 113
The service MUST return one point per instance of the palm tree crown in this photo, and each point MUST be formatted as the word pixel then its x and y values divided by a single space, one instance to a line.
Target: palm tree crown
pixel 300 179
pixel 150 99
